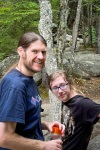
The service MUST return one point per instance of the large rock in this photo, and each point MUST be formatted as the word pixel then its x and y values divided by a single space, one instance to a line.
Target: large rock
pixel 87 63
pixel 94 143
pixel 90 67
pixel 7 63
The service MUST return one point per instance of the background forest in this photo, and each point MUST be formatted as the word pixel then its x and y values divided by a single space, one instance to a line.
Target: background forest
pixel 19 16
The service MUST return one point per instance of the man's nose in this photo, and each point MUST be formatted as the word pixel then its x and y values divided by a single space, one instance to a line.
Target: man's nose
pixel 40 55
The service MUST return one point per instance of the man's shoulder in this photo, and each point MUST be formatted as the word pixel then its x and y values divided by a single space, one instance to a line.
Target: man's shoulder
pixel 13 79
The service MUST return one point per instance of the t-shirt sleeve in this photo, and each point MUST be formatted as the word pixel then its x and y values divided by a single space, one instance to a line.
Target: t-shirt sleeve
pixel 12 106
pixel 90 111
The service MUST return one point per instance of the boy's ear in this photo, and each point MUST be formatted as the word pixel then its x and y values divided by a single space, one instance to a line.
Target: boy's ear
pixel 21 51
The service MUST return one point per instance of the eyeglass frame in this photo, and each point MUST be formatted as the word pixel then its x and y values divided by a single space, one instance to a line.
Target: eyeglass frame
pixel 59 87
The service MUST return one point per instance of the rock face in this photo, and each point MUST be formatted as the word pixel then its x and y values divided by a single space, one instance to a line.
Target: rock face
pixel 94 143
pixel 7 63
pixel 87 63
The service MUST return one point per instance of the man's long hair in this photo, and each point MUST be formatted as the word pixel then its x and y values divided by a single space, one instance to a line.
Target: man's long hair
pixel 25 40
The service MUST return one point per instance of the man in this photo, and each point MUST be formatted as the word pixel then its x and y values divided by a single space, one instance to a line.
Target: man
pixel 20 102
pixel 79 113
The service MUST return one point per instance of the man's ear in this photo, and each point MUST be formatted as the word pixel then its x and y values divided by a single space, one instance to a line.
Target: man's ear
pixel 21 51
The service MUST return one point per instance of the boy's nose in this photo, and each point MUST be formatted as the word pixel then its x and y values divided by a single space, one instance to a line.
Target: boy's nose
pixel 59 89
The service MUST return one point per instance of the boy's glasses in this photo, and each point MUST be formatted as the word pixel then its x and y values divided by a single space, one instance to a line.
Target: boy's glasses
pixel 62 86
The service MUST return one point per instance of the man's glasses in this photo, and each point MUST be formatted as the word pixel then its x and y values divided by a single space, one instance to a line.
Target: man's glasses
pixel 62 86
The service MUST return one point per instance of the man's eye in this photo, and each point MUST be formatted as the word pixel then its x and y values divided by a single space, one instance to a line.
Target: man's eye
pixel 44 52
pixel 34 51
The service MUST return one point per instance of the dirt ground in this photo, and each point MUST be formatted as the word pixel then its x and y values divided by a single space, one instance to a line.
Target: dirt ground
pixel 91 88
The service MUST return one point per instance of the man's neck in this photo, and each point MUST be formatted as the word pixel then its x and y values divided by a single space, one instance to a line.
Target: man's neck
pixel 23 70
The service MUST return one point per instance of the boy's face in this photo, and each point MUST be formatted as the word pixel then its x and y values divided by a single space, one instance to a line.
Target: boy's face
pixel 61 89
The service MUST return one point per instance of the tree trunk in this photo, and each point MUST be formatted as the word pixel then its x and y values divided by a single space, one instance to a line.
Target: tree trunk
pixel 83 27
pixel 45 29
pixel 74 38
pixel 61 35
pixel 90 24
pixel 98 35
pixel 75 27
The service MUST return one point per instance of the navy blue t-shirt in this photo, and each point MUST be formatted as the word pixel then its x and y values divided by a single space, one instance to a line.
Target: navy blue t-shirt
pixel 20 102
pixel 79 116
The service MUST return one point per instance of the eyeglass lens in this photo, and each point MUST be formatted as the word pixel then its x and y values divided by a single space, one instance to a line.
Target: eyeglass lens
pixel 62 87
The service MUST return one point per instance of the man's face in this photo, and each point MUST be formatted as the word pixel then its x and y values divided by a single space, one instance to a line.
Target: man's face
pixel 61 89
pixel 34 57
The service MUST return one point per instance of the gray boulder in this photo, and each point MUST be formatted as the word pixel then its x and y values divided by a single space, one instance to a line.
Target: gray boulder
pixel 94 144
pixel 87 63
pixel 7 63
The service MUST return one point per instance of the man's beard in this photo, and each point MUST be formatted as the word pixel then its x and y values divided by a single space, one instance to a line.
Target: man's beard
pixel 30 69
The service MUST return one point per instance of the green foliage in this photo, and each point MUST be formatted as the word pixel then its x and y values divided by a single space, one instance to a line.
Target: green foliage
pixel 21 14
pixel 94 39
pixel 95 4
pixel 55 10
pixel 16 17
pixel 2 56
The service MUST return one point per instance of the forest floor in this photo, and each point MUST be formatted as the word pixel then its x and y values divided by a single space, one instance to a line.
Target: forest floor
pixel 91 88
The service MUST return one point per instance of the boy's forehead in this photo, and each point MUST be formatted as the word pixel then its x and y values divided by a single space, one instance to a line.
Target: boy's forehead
pixel 58 80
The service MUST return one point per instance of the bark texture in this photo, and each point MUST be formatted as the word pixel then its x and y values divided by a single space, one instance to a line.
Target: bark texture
pixel 75 27
pixel 61 35
pixel 98 34
pixel 45 29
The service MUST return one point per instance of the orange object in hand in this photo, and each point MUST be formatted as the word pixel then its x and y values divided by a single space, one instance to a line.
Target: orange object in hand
pixel 56 133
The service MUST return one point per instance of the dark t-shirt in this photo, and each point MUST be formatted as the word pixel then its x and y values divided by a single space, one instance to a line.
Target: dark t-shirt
pixel 79 116
pixel 20 102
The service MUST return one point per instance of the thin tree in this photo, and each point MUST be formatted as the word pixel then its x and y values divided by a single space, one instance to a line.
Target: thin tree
pixel 45 29
pixel 98 34
pixel 90 24
pixel 75 27
pixel 62 31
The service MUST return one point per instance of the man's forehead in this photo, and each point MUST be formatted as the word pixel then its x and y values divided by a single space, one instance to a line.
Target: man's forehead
pixel 38 46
